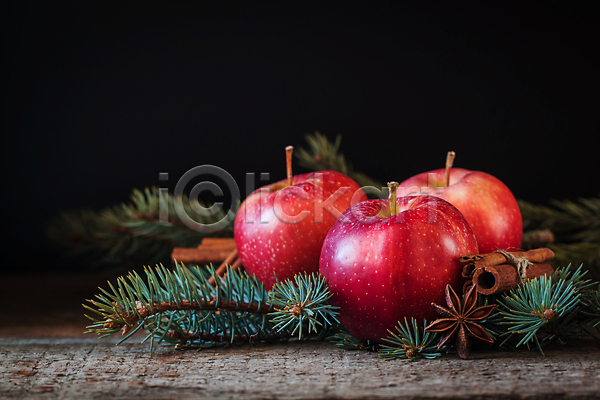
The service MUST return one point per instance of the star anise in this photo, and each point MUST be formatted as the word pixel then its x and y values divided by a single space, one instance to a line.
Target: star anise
pixel 459 321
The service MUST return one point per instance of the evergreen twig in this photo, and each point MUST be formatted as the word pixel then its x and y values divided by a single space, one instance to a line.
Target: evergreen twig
pixel 179 307
pixel 343 339
pixel 544 309
pixel 591 307
pixel 575 227
pixel 129 233
pixel 303 302
pixel 411 342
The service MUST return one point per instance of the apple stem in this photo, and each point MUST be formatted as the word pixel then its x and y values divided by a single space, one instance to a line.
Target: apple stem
pixel 449 162
pixel 392 186
pixel 288 163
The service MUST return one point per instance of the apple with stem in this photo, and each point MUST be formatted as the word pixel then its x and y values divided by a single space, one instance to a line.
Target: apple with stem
pixel 279 228
pixel 488 205
pixel 388 259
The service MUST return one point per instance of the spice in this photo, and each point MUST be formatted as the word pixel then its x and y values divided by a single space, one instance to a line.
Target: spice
pixel 501 271
pixel 459 321
pixel 232 260
pixel 495 258
pixel 210 250
pixel 502 278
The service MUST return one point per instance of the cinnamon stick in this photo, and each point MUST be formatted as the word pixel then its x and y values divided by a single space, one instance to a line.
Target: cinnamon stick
pixel 494 279
pixel 492 259
pixel 217 242
pixel 496 272
pixel 232 260
pixel 210 250
pixel 468 269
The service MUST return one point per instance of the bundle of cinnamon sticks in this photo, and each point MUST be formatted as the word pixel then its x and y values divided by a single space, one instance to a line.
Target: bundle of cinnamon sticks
pixel 497 272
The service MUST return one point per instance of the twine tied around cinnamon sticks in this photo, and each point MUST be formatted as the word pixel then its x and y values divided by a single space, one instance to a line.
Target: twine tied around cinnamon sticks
pixel 521 263
pixel 501 270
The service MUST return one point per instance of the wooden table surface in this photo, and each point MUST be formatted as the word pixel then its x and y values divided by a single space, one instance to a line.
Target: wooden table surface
pixel 44 354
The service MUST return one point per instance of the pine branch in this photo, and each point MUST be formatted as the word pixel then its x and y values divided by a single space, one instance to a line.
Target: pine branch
pixel 180 307
pixel 566 217
pixel 411 343
pixel 130 233
pixel 303 301
pixel 544 309
pixel 591 307
pixel 343 339
pixel 325 155
pixel 575 228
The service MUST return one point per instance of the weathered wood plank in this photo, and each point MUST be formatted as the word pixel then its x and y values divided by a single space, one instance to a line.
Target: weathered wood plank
pixel 64 368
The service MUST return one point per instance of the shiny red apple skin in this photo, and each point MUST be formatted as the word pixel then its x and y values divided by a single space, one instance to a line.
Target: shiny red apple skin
pixel 381 269
pixel 288 240
pixel 488 205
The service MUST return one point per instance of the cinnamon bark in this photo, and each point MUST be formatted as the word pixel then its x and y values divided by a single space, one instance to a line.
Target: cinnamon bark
pixel 494 273
pixel 210 250
pixel 501 278
pixel 217 242
pixel 231 260
pixel 491 259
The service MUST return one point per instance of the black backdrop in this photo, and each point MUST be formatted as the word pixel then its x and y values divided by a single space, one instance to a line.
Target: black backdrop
pixel 98 97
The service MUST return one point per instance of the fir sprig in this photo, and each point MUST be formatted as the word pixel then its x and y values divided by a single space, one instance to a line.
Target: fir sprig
pixel 343 339
pixel 180 307
pixel 130 234
pixel 591 307
pixel 303 302
pixel 411 342
pixel 574 225
pixel 543 309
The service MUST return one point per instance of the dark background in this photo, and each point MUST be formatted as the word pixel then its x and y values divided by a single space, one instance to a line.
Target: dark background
pixel 98 98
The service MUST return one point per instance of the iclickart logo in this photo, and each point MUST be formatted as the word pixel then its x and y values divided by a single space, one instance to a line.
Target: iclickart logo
pixel 212 174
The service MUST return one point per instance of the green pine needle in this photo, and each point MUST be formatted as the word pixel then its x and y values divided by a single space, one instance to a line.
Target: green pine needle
pixel 575 226
pixel 303 301
pixel 411 342
pixel 343 339
pixel 180 307
pixel 541 310
pixel 591 307
pixel 129 234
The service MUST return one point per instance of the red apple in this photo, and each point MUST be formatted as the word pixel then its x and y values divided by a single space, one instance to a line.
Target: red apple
pixel 279 228
pixel 384 264
pixel 488 205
